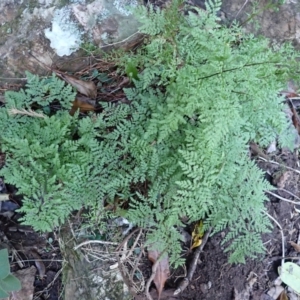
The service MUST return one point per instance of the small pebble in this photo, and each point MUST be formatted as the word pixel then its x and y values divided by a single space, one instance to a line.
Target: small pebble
pixel 209 284
pixel 203 288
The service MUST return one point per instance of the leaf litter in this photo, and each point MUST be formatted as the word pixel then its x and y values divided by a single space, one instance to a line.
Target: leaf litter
pixel 160 268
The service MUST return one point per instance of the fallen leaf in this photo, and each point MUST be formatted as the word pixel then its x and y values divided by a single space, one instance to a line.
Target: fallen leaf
pixel 280 179
pixel 283 296
pixel 295 246
pixel 197 235
pixel 290 275
pixel 246 293
pixel 87 88
pixel 256 151
pixel 295 117
pixel 162 270
pixel 27 277
pixel 275 291
pixel 38 263
pixel 82 103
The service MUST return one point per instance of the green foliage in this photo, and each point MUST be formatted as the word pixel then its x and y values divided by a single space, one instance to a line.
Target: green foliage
pixel 59 162
pixel 8 282
pixel 180 149
pixel 41 92
pixel 203 93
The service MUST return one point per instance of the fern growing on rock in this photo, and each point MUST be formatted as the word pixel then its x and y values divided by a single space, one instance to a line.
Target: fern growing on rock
pixel 180 149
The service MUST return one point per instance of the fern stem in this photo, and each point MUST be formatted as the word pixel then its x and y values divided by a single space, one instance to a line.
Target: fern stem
pixel 237 68
pixel 282 236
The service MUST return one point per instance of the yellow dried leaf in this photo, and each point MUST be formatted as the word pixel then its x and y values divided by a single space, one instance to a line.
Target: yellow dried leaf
pixel 197 235
pixel 196 243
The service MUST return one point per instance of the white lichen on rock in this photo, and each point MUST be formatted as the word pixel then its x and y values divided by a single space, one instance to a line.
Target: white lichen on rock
pixel 65 36
pixel 125 6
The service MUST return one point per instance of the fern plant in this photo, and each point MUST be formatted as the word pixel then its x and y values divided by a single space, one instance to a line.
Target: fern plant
pixel 54 160
pixel 205 91
pixel 180 149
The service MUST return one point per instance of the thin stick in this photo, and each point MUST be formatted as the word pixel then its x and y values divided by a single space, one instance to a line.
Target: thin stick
pixel 126 239
pixel 116 43
pixel 239 11
pixel 290 193
pixel 280 257
pixel 185 282
pixel 278 164
pixel 95 242
pixel 282 237
pixel 281 198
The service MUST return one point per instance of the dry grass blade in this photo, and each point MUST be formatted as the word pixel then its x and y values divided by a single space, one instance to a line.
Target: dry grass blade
pixel 29 112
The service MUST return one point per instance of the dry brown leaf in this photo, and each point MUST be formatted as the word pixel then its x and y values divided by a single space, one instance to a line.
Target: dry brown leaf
pixel 27 277
pixel 162 271
pixel 283 296
pixel 295 246
pixel 256 151
pixel 38 263
pixel 87 88
pixel 83 104
pixel 296 119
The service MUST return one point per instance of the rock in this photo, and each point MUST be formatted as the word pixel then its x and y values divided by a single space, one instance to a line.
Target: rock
pixel 280 23
pixel 52 32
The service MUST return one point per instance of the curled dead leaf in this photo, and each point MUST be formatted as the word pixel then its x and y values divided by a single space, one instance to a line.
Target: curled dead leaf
pixel 82 103
pixel 295 246
pixel 283 296
pixel 38 263
pixel 87 88
pixel 161 270
pixel 197 235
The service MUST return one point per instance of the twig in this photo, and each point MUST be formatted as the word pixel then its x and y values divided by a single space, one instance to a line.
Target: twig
pixel 280 257
pixel 281 198
pixel 16 78
pixel 278 164
pixel 94 242
pixel 116 43
pixel 185 282
pixel 239 11
pixel 282 237
pixel 290 193
pixel 126 239
pixel 133 246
